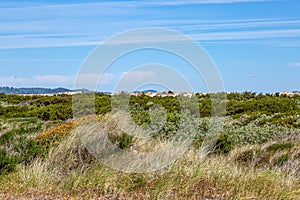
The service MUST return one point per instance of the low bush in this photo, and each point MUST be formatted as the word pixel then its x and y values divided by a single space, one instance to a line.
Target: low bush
pixel 280 146
pixel 122 141
pixel 245 157
pixel 282 159
pixel 56 134
pixel 224 144
pixel 7 162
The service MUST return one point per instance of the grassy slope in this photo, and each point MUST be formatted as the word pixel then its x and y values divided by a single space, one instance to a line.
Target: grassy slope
pixel 217 177
pixel 263 164
pixel 251 171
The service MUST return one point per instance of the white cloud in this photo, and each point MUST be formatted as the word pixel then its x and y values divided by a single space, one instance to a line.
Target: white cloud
pixel 14 42
pixel 108 81
pixel 41 81
pixel 60 25
pixel 42 40
pixel 93 80
pixel 192 2
pixel 244 35
pixel 122 4
pixel 87 80
pixel 230 24
pixel 139 76
pixel 296 64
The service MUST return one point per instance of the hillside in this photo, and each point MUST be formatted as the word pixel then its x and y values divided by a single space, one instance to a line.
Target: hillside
pixel 12 90
pixel 256 156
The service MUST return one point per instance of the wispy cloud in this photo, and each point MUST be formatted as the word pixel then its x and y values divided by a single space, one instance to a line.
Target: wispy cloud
pixel 191 2
pixel 42 40
pixel 25 41
pixel 296 64
pixel 244 35
pixel 139 76
pixel 127 3
pixel 238 24
pixel 93 80
pixel 85 80
pixel 88 80
pixel 43 81
pixel 61 25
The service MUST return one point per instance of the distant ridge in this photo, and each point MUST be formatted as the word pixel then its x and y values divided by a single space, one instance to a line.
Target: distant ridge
pixel 153 91
pixel 37 90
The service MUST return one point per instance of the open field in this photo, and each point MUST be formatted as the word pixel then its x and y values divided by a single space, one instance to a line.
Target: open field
pixel 256 157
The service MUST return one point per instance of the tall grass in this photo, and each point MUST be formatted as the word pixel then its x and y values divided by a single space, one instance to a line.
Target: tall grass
pixel 269 169
pixel 70 172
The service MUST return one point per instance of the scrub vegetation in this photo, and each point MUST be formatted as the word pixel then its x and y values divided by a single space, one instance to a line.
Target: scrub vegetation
pixel 257 155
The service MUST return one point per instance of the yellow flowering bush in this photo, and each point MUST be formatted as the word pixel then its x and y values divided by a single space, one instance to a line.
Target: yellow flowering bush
pixel 56 134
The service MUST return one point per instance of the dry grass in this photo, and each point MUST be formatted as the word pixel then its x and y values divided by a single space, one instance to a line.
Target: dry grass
pixel 70 172
pixel 67 175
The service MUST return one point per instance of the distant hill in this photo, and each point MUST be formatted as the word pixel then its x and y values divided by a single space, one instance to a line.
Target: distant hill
pixel 38 90
pixel 12 90
pixel 153 91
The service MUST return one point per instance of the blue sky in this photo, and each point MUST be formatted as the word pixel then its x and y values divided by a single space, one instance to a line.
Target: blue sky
pixel 254 43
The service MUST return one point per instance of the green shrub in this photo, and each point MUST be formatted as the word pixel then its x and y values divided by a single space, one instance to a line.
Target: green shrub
pixel 280 146
pixel 224 144
pixel 281 160
pixel 7 163
pixel 245 157
pixel 34 149
pixel 123 141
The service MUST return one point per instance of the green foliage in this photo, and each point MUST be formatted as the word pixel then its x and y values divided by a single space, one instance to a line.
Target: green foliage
pixel 102 103
pixel 123 141
pixel 224 144
pixel 255 133
pixel 252 119
pixel 245 157
pixel 7 162
pixel 280 146
pixel 139 115
pixel 282 159
pixel 27 135
pixel 57 107
pixel 20 144
pixel 34 149
pixel 265 104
